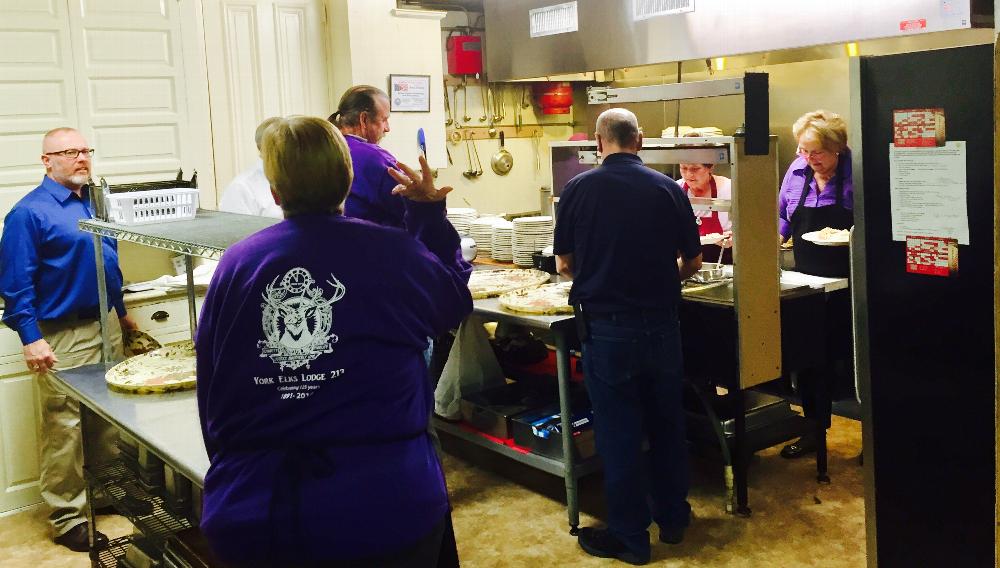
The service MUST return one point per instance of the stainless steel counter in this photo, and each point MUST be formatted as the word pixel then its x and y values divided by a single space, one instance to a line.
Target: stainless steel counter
pixel 491 308
pixel 167 424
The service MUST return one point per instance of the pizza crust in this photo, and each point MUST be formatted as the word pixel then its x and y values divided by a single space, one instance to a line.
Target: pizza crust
pixel 544 300
pixel 491 283
pixel 166 369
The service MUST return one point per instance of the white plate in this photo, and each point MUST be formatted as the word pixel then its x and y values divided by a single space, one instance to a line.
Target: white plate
pixel 813 237
pixel 712 239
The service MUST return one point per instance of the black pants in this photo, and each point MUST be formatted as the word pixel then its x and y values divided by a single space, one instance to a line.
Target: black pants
pixel 818 386
pixel 436 550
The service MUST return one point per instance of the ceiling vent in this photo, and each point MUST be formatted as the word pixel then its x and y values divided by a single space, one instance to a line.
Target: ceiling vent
pixel 551 20
pixel 646 9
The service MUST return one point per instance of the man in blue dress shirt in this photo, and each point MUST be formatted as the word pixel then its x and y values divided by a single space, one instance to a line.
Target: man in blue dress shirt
pixel 49 287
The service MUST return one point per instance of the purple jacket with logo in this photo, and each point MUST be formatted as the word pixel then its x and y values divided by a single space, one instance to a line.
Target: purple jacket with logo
pixel 313 390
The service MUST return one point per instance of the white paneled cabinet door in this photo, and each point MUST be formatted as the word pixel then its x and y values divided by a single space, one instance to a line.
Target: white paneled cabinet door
pixel 36 90
pixel 20 417
pixel 265 58
pixel 133 89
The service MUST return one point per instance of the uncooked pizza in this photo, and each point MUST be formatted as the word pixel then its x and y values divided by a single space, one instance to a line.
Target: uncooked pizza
pixel 547 299
pixel 166 369
pixel 490 283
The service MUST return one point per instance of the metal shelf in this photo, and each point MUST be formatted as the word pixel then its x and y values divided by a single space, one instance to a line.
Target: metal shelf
pixel 109 556
pixel 546 464
pixel 208 235
pixel 118 481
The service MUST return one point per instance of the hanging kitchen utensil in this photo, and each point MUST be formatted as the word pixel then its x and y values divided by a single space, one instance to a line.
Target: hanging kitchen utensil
pixel 479 164
pixel 447 106
pixel 476 170
pixel 502 161
pixel 465 99
pixel 484 93
pixel 470 172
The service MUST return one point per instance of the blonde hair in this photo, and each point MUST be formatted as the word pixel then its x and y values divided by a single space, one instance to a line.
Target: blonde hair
pixel 258 134
pixel 828 127
pixel 307 161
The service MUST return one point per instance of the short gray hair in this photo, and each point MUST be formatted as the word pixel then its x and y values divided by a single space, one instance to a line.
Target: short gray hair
pixel 619 126
pixel 259 134
pixel 307 161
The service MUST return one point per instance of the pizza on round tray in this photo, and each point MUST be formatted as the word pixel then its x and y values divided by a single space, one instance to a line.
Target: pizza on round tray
pixel 548 299
pixel 166 369
pixel 490 283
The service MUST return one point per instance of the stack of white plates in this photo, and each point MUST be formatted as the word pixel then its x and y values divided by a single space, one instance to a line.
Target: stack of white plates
pixel 531 235
pixel 461 218
pixel 481 231
pixel 503 238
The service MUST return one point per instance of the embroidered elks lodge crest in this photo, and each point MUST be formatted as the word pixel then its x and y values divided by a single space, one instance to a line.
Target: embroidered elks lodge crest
pixel 297 316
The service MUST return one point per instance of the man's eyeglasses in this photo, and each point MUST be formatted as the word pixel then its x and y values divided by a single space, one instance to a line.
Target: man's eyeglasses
pixel 72 153
pixel 811 153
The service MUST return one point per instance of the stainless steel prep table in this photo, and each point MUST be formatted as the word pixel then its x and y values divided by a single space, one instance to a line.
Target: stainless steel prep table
pixel 709 328
pixel 562 329
pixel 166 424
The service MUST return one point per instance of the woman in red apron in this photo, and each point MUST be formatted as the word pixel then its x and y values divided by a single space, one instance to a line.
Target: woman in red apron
pixel 818 192
pixel 697 180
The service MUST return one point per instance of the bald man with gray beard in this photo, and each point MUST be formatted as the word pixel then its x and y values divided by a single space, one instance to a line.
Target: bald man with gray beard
pixel 49 287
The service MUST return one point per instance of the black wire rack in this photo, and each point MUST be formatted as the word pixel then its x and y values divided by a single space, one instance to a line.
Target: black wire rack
pixel 146 509
pixel 109 556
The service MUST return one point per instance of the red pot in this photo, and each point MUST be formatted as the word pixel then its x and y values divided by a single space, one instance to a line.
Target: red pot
pixel 554 98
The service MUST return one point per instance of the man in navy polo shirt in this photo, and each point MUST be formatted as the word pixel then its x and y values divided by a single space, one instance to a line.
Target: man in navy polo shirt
pixel 49 286
pixel 618 228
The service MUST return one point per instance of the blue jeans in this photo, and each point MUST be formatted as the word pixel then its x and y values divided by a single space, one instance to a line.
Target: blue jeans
pixel 633 372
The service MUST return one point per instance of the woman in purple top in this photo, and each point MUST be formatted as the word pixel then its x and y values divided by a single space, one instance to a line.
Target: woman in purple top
pixel 817 192
pixel 312 387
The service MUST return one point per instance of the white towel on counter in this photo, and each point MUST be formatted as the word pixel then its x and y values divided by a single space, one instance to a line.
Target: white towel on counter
pixel 471 367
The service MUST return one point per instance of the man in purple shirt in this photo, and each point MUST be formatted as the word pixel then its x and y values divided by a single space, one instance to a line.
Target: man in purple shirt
pixel 363 117
pixel 312 387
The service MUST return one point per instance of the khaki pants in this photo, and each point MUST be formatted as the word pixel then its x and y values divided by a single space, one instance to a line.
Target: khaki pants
pixel 75 343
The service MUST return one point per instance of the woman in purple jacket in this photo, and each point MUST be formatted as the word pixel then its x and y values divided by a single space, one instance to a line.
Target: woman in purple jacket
pixel 312 386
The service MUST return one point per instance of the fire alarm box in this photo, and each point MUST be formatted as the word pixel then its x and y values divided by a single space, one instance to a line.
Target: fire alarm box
pixel 465 55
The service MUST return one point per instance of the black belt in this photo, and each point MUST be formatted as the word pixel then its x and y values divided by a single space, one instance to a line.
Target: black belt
pixel 625 316
pixel 88 314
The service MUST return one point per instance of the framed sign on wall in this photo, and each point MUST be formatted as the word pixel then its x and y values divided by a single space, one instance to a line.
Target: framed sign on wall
pixel 410 93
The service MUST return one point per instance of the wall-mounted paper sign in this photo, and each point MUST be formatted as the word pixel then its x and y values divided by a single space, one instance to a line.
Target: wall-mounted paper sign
pixel 410 93
pixel 918 127
pixel 934 256
pixel 927 192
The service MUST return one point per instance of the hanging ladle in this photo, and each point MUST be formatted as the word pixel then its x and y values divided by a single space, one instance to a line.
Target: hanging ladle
pixel 447 106
pixel 465 99
pixel 470 150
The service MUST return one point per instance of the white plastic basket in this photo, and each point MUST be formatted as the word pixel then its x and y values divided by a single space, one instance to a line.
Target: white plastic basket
pixel 156 206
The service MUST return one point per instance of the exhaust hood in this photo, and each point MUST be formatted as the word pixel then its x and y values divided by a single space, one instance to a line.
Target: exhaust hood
pixel 535 38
